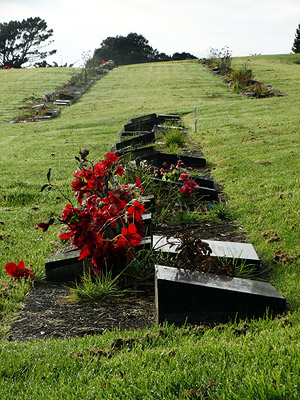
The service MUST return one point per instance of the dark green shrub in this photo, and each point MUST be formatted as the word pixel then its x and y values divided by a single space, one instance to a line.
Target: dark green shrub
pixel 241 77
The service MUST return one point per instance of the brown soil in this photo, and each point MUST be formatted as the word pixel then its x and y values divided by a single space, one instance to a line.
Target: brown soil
pixel 48 314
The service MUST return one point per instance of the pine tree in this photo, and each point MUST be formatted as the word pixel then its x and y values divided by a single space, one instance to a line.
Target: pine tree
pixel 296 45
pixel 21 41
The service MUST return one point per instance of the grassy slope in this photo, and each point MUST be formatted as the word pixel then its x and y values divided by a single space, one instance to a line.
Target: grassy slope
pixel 253 146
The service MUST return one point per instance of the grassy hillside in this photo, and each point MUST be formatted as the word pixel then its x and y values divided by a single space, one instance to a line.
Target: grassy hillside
pixel 252 146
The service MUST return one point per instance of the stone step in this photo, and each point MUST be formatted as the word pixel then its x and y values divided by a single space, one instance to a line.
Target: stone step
pixel 65 267
pixel 240 252
pixel 183 296
pixel 137 141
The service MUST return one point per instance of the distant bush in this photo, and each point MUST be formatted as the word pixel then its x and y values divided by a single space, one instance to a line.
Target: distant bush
pixel 220 59
pixel 183 56
pixel 240 78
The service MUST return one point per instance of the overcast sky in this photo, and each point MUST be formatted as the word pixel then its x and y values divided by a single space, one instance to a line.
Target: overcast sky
pixel 246 27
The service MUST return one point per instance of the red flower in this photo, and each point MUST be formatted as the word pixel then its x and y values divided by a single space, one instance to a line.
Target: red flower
pixel 129 237
pixel 84 153
pixel 91 202
pixel 186 191
pixel 43 225
pixel 68 212
pixel 18 271
pixel 136 210
pixel 115 206
pixel 91 243
pixel 67 235
pixel 184 177
pixel 119 170
pixel 110 159
pixel 138 184
pixel 191 184
pixel 189 188
pixel 96 227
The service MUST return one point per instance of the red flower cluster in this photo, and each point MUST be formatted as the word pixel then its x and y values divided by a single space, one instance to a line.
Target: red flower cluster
pixel 184 177
pixel 189 187
pixel 107 224
pixel 42 225
pixel 18 271
pixel 107 62
pixel 167 173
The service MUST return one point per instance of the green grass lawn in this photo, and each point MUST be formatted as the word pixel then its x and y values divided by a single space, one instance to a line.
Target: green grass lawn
pixel 252 146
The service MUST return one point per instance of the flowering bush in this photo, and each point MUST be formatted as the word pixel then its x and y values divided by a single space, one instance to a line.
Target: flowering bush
pixel 174 173
pixel 189 187
pixel 18 271
pixel 107 222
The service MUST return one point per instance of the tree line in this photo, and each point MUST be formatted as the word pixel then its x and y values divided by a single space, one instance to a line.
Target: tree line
pixel 21 44
pixel 133 49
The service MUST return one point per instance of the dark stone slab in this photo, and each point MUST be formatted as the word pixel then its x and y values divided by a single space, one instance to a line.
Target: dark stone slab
pixel 147 122
pixel 146 243
pixel 127 134
pixel 157 159
pixel 138 153
pixel 162 129
pixel 147 218
pixel 241 252
pixel 47 114
pixel 194 297
pixel 65 96
pixel 149 202
pixel 167 118
pixel 43 118
pixel 63 102
pixel 144 118
pixel 65 267
pixel 201 192
pixel 204 182
pixel 52 113
pixel 139 126
pixel 143 123
pixel 136 141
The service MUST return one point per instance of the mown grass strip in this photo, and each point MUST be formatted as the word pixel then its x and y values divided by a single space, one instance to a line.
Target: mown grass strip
pixel 253 150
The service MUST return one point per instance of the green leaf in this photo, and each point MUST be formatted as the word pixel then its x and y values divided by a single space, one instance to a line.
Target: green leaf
pixel 44 187
pixel 48 175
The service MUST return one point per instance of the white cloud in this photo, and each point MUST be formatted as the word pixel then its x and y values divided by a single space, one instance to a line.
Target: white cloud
pixel 259 26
